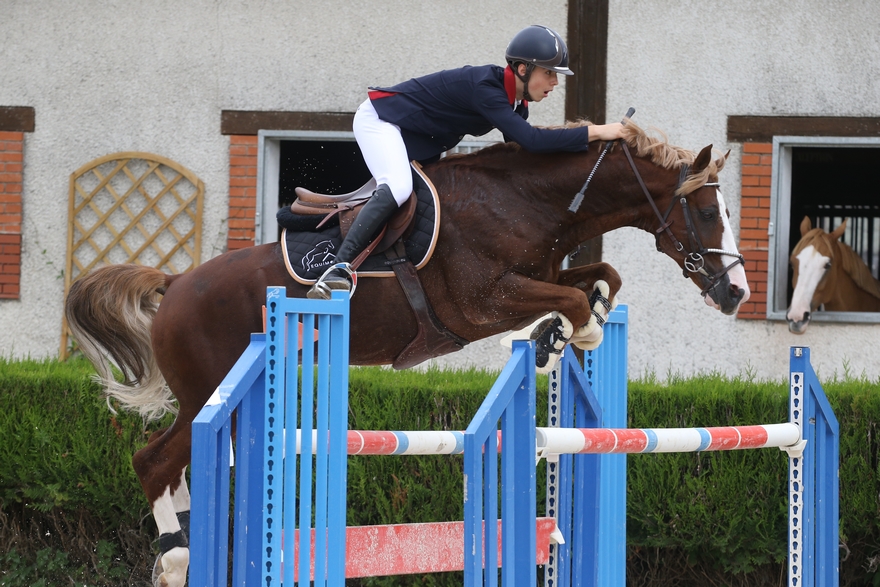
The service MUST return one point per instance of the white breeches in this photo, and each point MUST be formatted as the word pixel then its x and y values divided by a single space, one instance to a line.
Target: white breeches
pixel 384 151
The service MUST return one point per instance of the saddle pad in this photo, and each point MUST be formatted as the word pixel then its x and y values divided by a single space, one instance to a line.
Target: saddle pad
pixel 307 255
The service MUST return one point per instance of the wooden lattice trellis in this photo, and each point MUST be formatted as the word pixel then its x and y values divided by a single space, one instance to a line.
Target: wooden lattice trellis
pixel 132 207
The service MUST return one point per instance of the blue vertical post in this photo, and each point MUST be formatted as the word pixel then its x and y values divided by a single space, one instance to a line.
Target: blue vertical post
pixel 606 371
pixel 248 485
pixel 587 481
pixel 241 393
pixel 558 501
pixel 338 442
pixel 206 551
pixel 273 435
pixel 510 401
pixel 315 490
pixel 813 524
pixel 518 485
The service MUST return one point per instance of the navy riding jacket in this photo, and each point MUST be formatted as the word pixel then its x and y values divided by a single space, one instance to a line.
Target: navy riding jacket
pixel 434 112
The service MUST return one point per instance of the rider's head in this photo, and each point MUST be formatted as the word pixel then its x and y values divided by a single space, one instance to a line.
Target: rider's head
pixel 537 46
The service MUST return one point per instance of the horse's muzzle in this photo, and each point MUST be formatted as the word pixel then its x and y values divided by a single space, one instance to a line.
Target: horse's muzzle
pixel 799 326
pixel 726 296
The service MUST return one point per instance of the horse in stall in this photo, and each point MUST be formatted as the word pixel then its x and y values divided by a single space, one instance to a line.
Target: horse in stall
pixel 508 221
pixel 828 274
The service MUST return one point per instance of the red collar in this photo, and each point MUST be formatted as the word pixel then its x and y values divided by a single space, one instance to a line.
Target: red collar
pixel 510 86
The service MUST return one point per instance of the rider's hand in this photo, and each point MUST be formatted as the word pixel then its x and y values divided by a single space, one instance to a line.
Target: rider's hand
pixel 606 132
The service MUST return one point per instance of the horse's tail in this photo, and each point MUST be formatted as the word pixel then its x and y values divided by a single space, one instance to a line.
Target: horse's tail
pixel 110 311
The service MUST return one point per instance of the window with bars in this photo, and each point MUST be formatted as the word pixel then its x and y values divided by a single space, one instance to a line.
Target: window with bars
pixel 827 179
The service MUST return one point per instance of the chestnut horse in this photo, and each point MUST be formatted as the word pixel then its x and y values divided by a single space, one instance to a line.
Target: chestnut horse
pixel 506 228
pixel 828 274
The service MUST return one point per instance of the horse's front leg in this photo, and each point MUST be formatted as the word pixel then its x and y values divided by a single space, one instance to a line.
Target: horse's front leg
pixel 587 277
pixel 516 297
pixel 601 282
pixel 571 310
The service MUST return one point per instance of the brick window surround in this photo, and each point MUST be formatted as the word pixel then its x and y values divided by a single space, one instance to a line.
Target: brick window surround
pixel 756 133
pixel 242 192
pixel 14 122
pixel 757 164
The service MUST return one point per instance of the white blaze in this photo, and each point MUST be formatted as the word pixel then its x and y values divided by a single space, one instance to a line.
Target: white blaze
pixel 811 269
pixel 737 274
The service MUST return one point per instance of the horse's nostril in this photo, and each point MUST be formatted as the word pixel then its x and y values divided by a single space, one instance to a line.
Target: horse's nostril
pixel 736 293
pixel 806 316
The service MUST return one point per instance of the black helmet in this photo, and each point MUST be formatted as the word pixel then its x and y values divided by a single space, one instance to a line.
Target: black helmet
pixel 539 46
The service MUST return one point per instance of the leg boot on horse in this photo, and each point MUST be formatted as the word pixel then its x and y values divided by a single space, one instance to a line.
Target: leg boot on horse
pixel 366 226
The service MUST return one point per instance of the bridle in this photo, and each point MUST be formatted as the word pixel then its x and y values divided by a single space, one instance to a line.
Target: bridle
pixel 694 261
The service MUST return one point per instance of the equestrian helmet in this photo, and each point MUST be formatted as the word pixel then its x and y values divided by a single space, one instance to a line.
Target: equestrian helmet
pixel 539 46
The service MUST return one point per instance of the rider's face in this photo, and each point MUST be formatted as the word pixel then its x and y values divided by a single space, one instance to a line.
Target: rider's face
pixel 541 83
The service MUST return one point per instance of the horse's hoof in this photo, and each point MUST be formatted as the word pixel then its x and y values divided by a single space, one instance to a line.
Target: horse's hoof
pixel 550 340
pixel 170 568
pixel 157 570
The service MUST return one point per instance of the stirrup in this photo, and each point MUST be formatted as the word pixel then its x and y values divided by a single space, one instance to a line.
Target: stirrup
pixel 324 292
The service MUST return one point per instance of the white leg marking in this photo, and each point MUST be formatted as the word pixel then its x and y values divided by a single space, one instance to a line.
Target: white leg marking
pixel 180 498
pixel 171 567
pixel 163 512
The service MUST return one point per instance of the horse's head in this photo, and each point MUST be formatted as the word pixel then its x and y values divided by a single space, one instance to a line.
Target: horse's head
pixel 696 233
pixel 811 262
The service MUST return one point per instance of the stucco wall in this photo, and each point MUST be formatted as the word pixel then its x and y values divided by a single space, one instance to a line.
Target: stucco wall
pixel 686 66
pixel 106 77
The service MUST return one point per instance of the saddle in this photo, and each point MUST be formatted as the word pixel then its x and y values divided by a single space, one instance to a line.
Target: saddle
pixel 311 236
pixel 347 206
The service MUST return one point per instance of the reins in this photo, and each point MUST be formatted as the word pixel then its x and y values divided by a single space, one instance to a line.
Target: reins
pixel 579 197
pixel 694 261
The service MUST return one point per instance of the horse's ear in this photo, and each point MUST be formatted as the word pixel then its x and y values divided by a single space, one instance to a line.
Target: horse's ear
pixel 806 226
pixel 702 160
pixel 838 232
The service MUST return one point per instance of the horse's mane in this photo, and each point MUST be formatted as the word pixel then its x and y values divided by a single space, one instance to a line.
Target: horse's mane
pixel 850 261
pixel 658 150
pixel 670 157
pixel 856 268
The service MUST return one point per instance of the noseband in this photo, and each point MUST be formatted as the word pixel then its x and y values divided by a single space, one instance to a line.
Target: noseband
pixel 694 261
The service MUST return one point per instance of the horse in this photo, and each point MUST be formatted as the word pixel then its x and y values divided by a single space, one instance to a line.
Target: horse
pixel 828 274
pixel 508 220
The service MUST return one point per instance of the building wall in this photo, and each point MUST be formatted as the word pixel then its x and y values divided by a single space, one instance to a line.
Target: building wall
pixel 155 77
pixel 686 66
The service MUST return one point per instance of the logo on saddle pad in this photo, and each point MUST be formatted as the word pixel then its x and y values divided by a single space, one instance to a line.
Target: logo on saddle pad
pixel 320 257
pixel 307 254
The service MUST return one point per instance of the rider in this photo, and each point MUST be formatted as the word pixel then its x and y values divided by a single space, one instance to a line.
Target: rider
pixel 421 118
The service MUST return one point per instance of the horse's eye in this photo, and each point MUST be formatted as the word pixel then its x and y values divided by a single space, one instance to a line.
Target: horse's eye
pixel 707 215
pixel 827 265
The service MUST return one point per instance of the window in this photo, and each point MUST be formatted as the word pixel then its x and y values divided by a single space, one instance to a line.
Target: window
pixel 827 179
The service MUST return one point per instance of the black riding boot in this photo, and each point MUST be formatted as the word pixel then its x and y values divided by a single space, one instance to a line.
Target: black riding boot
pixel 376 212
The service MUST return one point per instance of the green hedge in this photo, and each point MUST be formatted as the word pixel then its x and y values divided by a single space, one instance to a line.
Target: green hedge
pixel 72 511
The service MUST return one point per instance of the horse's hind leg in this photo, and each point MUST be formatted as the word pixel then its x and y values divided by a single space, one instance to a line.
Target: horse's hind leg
pixel 161 466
